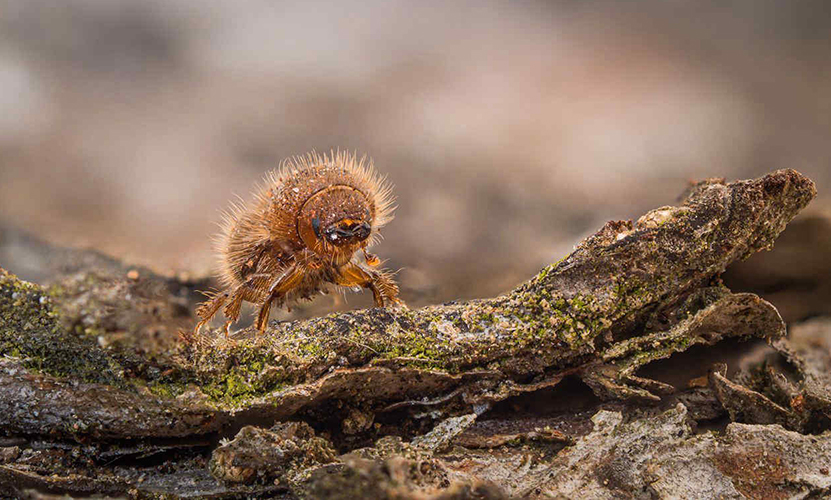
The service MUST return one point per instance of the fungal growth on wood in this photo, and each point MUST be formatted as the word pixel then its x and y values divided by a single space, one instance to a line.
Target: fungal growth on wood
pixel 412 403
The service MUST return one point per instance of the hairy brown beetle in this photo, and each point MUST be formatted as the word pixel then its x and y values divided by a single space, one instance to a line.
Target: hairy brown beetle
pixel 304 229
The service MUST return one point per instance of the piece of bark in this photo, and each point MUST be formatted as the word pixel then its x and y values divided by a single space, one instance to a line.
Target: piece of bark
pixel 626 281
pixel 33 404
pixel 626 296
pixel 629 295
pixel 275 455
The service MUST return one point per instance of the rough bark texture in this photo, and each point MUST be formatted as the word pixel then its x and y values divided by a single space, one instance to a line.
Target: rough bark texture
pixel 98 394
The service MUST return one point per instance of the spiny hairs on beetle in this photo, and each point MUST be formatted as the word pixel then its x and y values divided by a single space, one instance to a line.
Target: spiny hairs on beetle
pixel 304 228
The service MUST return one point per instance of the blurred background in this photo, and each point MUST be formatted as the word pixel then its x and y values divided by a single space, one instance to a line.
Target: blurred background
pixel 511 130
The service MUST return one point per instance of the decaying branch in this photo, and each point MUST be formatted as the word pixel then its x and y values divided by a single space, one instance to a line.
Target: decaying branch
pixel 628 280
pixel 84 364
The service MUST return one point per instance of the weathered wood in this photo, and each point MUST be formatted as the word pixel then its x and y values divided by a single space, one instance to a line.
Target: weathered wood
pixel 93 361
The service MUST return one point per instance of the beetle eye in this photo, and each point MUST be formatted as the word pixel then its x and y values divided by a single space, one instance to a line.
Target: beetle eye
pixel 316 226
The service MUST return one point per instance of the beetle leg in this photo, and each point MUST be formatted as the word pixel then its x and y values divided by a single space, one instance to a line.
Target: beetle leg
pixel 277 289
pixel 262 316
pixel 251 290
pixel 208 310
pixel 380 282
pixel 371 259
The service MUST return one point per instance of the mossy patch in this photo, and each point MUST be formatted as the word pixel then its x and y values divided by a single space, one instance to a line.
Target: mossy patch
pixel 31 329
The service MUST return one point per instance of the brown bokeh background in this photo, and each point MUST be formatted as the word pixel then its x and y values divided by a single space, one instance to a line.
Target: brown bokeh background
pixel 511 130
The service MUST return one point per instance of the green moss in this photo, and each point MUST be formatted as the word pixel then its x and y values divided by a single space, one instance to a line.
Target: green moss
pixel 167 390
pixel 30 329
pixel 414 345
pixel 544 272
pixel 241 372
pixel 231 389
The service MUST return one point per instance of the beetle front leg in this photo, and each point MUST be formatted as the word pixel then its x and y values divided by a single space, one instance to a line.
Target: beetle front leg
pixel 380 282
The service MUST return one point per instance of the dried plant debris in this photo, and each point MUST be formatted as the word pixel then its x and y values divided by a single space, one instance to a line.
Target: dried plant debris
pixel 281 453
pixel 790 386
pixel 660 457
pixel 98 395
pixel 809 348
pixel 443 434
pixel 653 456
